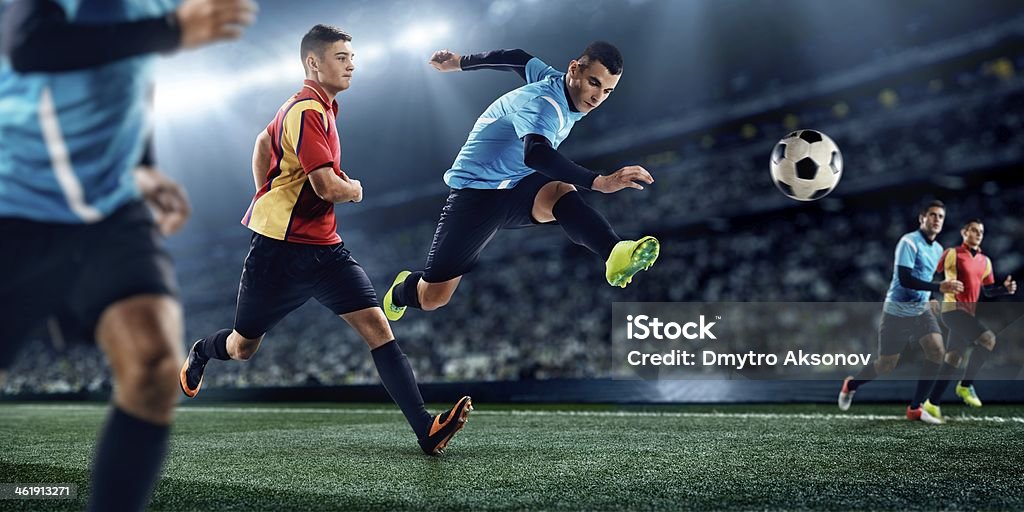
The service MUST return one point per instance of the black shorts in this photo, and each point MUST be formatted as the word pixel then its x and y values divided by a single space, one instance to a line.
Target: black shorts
pixel 279 276
pixel 964 328
pixel 896 331
pixel 77 270
pixel 470 219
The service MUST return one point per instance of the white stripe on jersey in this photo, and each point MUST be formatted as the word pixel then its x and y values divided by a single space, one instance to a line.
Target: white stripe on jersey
pixel 910 243
pixel 61 161
pixel 561 120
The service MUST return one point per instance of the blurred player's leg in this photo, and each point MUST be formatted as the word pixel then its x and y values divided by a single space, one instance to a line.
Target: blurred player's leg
pixel 934 352
pixel 140 336
pixel 983 348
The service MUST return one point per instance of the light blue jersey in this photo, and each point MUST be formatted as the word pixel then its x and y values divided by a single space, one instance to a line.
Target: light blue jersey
pixel 492 157
pixel 922 256
pixel 69 141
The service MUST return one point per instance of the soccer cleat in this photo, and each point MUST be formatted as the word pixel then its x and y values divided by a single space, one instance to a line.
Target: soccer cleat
pixel 393 312
pixel 846 395
pixel 968 395
pixel 191 375
pixel 445 425
pixel 920 414
pixel 628 258
pixel 933 410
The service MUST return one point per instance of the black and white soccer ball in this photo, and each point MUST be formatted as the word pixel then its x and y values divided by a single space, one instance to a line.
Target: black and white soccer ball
pixel 806 165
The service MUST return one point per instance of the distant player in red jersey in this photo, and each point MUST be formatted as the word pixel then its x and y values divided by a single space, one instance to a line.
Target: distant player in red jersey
pixel 296 253
pixel 968 265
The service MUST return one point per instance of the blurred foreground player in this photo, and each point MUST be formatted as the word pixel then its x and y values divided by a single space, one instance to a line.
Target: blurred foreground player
pixel 76 177
pixel 967 264
pixel 906 315
pixel 296 253
pixel 509 174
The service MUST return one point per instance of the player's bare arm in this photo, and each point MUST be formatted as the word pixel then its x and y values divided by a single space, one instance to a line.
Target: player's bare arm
pixel 261 159
pixel 165 197
pixel 336 188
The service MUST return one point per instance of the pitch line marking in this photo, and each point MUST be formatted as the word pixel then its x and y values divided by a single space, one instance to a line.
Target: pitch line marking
pixel 548 413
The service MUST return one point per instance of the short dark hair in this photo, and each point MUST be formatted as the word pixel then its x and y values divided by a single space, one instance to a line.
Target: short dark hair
pixel 935 203
pixel 975 220
pixel 603 52
pixel 317 39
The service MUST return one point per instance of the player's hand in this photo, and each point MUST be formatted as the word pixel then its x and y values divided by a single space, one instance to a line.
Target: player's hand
pixel 165 198
pixel 355 186
pixel 1010 284
pixel 208 21
pixel 445 61
pixel 627 177
pixel 951 286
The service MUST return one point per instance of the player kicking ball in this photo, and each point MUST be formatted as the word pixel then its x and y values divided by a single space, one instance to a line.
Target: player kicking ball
pixel 906 315
pixel 296 253
pixel 509 174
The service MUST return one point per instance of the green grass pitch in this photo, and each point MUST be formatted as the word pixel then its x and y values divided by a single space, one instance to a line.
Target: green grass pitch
pixel 351 457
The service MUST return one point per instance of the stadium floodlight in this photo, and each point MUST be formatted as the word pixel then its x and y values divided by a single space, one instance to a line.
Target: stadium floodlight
pixel 420 36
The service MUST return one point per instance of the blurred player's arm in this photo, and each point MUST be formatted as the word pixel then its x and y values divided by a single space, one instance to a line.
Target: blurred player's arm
pixel 907 280
pixel 261 159
pixel 165 197
pixel 542 157
pixel 1009 287
pixel 503 60
pixel 38 37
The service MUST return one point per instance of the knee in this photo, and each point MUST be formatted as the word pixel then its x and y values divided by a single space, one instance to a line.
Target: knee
pixel 243 349
pixel 886 365
pixel 151 377
pixel 987 341
pixel 953 359
pixel 430 302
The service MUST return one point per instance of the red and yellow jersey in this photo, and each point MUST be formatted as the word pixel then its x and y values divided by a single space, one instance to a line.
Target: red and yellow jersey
pixel 304 138
pixel 973 270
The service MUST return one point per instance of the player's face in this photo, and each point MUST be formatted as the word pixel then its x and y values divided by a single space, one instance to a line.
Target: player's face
pixel 590 86
pixel 973 234
pixel 931 221
pixel 333 69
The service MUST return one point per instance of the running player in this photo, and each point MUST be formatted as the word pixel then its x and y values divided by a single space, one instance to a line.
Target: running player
pixel 509 174
pixel 74 86
pixel 905 314
pixel 967 264
pixel 296 253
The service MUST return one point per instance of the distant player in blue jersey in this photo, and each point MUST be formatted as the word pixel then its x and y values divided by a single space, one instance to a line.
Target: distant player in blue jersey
pixel 906 315
pixel 509 174
pixel 76 178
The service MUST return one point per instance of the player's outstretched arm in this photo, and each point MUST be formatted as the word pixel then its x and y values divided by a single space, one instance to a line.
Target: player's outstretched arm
pixel 502 60
pixel 335 187
pixel 37 35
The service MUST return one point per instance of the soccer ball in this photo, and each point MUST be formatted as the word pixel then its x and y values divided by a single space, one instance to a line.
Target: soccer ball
pixel 806 165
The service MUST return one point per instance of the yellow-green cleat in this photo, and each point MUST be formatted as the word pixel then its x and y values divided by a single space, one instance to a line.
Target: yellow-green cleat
pixel 393 312
pixel 934 410
pixel 967 394
pixel 629 257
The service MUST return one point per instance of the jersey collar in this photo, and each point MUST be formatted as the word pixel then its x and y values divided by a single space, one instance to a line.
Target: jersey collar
pixel 321 94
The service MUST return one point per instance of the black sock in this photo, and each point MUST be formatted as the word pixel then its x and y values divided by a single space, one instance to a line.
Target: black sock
pixel 396 374
pixel 866 374
pixel 129 455
pixel 942 383
pixel 215 346
pixel 929 371
pixel 584 225
pixel 978 357
pixel 405 293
